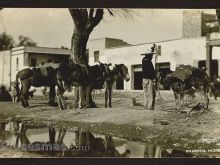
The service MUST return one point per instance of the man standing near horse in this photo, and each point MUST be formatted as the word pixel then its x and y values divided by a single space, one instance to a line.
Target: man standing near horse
pixel 149 78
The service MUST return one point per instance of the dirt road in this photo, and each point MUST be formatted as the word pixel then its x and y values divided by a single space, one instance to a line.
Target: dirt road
pixel 124 120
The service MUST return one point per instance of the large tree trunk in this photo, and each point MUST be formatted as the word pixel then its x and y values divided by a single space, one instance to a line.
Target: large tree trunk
pixel 78 48
pixel 78 56
pixel 84 21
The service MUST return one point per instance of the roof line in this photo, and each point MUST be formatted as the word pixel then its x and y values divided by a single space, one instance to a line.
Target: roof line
pixel 147 43
pixel 38 47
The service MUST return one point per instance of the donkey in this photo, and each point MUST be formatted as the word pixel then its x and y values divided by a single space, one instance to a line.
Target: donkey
pixel 118 71
pixel 36 77
pixel 186 79
pixel 90 77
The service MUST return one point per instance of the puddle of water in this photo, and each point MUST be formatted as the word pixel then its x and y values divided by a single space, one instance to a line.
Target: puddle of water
pixel 121 147
pixel 136 149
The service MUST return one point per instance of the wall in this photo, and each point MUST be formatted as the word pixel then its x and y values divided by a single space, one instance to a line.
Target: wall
pixel 17 53
pixel 95 45
pixel 100 45
pixel 5 60
pixel 112 42
pixel 192 24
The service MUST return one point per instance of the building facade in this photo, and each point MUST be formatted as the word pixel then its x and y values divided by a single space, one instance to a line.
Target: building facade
pixel 18 58
pixel 189 49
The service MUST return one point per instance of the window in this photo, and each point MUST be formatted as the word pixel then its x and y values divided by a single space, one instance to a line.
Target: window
pixel 17 63
pixel 96 56
pixel 33 62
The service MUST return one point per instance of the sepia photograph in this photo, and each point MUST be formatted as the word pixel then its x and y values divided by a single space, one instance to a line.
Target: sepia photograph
pixel 109 83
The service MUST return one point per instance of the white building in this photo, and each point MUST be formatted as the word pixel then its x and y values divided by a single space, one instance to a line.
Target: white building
pixel 190 49
pixel 24 57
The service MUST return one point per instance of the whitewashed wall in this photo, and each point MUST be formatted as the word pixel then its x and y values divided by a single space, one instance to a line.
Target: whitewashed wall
pixel 16 53
pixel 5 67
pixel 180 51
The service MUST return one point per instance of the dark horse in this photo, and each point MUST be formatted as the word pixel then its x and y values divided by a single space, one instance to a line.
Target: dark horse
pixel 36 77
pixel 90 77
pixel 119 71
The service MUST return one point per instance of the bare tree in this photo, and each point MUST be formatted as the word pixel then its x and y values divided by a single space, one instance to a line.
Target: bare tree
pixel 85 20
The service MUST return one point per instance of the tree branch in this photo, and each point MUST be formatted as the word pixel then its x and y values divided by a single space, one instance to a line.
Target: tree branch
pixel 94 21
pixel 84 18
pixel 91 12
pixel 76 16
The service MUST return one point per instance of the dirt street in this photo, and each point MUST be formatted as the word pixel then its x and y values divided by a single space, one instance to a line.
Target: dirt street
pixel 124 120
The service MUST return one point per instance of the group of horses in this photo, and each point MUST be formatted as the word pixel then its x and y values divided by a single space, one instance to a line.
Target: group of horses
pixel 64 76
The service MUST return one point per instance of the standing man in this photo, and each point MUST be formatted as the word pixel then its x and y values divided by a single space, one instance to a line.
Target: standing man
pixel 149 77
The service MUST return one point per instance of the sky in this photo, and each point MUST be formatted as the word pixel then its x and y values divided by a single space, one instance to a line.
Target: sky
pixel 52 27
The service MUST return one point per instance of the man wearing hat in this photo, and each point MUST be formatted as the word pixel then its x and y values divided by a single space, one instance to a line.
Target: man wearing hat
pixel 149 77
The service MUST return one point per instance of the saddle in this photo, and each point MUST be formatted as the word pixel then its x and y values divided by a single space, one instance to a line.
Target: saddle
pixel 183 72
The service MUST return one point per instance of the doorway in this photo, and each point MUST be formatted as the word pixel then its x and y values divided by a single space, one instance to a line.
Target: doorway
pixel 214 67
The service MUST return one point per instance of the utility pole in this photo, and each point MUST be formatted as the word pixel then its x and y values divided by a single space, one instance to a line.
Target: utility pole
pixel 157 49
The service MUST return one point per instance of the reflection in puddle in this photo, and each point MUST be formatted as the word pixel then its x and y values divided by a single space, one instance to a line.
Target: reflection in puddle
pixel 58 142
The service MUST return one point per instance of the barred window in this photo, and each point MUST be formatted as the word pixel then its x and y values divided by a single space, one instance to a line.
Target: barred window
pixel 17 63
pixel 33 62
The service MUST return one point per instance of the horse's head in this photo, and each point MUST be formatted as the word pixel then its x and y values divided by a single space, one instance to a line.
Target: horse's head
pixel 104 69
pixel 176 84
pixel 122 71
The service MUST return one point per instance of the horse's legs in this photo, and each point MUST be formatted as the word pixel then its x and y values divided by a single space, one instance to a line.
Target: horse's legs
pixel 61 100
pixel 52 94
pixel 204 96
pixel 24 93
pixel 110 97
pixel 76 97
pixel 22 97
pixel 82 96
pixel 177 100
pixel 89 102
pixel 106 97
pixel 90 97
pixel 181 100
pixel 60 97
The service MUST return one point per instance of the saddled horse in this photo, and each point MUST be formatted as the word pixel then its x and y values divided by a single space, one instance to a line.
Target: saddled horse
pixel 90 77
pixel 36 77
pixel 118 71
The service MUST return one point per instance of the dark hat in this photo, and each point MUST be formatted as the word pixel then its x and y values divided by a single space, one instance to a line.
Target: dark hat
pixel 148 52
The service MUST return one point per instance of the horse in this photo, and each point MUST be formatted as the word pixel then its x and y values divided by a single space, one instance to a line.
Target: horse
pixel 118 71
pixel 90 77
pixel 36 77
